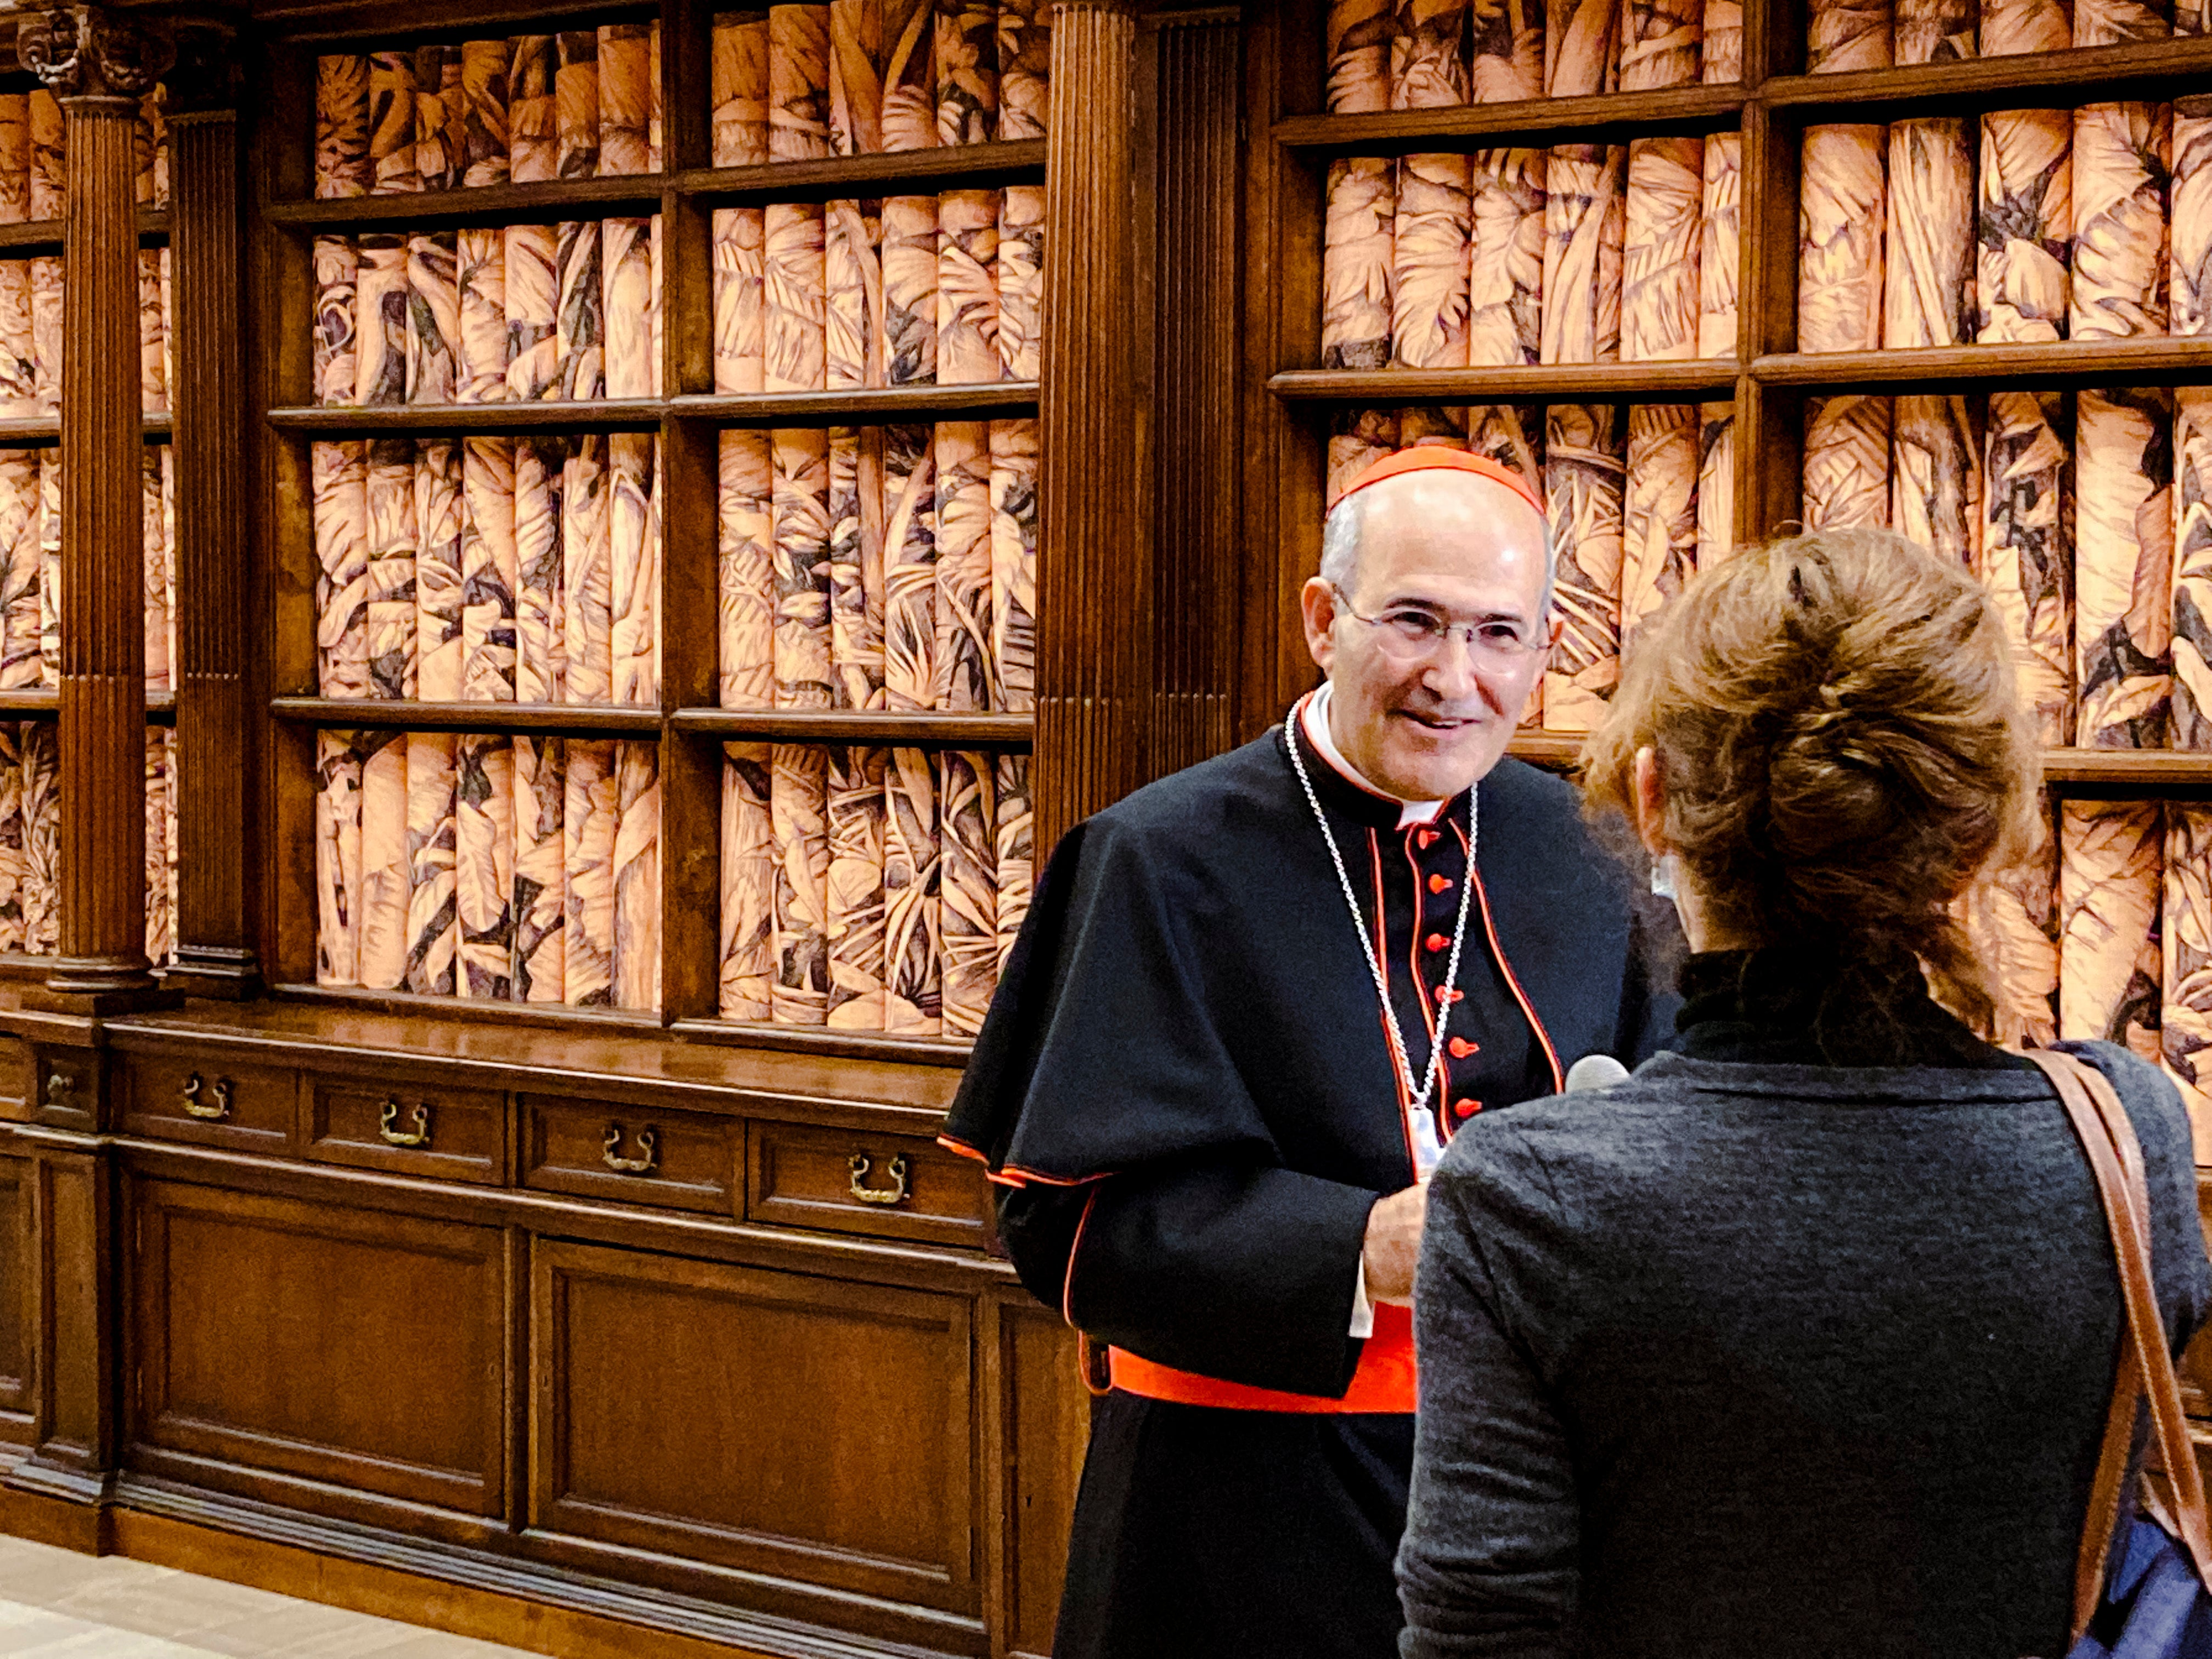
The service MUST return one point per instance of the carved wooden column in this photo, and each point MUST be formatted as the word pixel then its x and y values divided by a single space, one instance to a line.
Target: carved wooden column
pixel 213 955
pixel 1093 568
pixel 99 62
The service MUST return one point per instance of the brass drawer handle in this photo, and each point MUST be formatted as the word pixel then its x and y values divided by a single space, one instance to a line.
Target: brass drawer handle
pixel 894 1194
pixel 647 1143
pixel 420 1135
pixel 214 1109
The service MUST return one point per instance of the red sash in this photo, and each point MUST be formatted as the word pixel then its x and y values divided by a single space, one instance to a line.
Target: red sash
pixel 1384 1382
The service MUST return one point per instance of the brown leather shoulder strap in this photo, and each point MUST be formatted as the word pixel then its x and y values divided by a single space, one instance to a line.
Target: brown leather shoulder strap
pixel 2108 1138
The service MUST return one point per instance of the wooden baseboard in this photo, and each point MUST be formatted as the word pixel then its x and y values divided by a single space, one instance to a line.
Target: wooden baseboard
pixel 315 1560
pixel 409 1597
pixel 84 1527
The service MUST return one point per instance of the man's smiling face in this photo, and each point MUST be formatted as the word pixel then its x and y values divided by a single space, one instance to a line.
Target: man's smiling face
pixel 1458 549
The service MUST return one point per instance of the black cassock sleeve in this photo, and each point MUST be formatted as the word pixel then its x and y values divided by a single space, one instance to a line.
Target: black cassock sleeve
pixel 1147 1198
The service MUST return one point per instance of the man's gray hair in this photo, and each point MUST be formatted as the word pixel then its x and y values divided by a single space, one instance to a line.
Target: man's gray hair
pixel 1342 532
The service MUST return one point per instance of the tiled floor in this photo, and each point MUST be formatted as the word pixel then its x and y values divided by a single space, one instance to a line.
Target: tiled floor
pixel 53 1603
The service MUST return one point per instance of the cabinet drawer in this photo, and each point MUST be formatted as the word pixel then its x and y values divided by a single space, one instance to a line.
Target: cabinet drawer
pixel 804 1177
pixel 447 1135
pixel 211 1101
pixel 628 1155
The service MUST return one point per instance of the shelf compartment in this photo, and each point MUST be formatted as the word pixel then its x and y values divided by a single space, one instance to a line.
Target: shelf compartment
pixel 557 718
pixel 885 404
pixel 820 1040
pixel 839 175
pixel 553 198
pixel 1709 378
pixel 2090 74
pixel 2053 366
pixel 1528 120
pixel 402 420
pixel 859 726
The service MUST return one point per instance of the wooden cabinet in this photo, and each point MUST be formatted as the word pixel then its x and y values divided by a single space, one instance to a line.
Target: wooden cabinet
pixel 441 1133
pixel 684 1160
pixel 246 1107
pixel 811 1434
pixel 296 1352
pixel 850 1181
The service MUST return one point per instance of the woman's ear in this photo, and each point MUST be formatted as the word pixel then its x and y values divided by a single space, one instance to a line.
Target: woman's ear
pixel 1651 803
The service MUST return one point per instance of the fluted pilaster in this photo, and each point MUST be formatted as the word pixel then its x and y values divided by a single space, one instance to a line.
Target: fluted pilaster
pixel 212 955
pixel 98 64
pixel 1094 573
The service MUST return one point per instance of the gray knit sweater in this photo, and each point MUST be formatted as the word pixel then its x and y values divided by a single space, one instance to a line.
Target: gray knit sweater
pixel 1740 1360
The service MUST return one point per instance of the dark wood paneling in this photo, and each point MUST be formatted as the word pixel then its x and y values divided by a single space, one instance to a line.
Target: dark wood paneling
pixel 803 1176
pixel 18 1340
pixel 690 1160
pixel 247 1108
pixel 370 1126
pixel 353 1347
pixel 761 1422
pixel 1043 1415
pixel 1195 306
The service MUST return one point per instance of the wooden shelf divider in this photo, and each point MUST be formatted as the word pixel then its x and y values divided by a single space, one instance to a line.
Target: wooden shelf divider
pixel 592 414
pixel 45 235
pixel 2148 361
pixel 1638 114
pixel 566 720
pixel 637 193
pixel 964 165
pixel 2143 69
pixel 839 725
pixel 43 703
pixel 890 404
pixel 1712 377
pixel 35 431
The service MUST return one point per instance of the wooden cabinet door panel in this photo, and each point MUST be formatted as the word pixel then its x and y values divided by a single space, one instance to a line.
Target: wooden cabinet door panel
pixel 768 1422
pixel 352 1346
pixel 593 1150
pixel 444 1134
pixel 1044 1425
pixel 247 1108
pixel 18 1246
pixel 803 1175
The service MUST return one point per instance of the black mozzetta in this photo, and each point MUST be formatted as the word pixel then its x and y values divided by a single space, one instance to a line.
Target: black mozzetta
pixel 1189 1047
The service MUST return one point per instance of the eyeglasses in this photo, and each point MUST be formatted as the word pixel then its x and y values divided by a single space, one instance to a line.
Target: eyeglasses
pixel 1412 635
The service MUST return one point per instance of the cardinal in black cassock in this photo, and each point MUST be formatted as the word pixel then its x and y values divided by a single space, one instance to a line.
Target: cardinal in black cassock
pixel 1217 1051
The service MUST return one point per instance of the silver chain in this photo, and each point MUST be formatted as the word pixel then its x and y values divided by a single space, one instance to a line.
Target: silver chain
pixel 1420 1101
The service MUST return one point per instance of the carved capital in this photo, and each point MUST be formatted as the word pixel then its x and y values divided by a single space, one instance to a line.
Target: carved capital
pixel 93 52
pixel 207 76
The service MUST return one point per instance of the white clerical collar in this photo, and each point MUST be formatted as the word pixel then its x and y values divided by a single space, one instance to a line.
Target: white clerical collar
pixel 1313 718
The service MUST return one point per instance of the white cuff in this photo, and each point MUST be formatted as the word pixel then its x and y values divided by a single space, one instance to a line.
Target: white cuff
pixel 1363 1310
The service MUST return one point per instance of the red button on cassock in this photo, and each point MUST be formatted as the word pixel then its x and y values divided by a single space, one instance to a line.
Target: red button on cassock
pixel 1465 1108
pixel 1425 839
pixel 1461 1047
pixel 1437 942
pixel 1437 883
pixel 1449 995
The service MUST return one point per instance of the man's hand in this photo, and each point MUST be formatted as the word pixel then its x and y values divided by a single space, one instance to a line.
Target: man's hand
pixel 1393 1248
